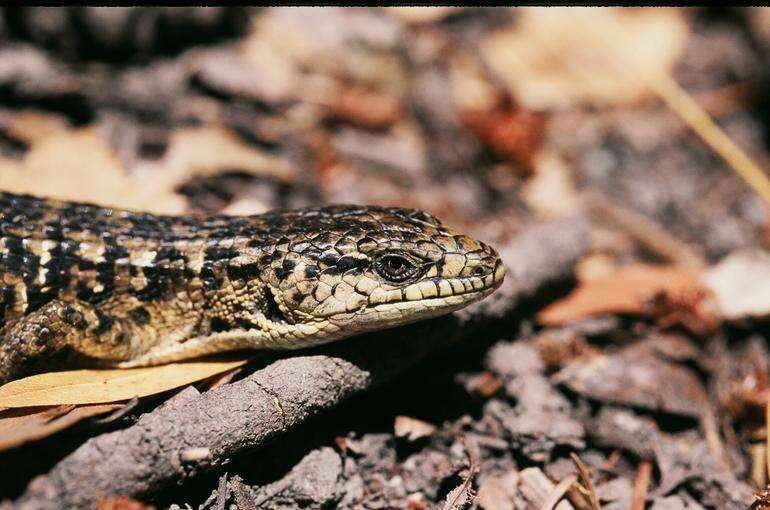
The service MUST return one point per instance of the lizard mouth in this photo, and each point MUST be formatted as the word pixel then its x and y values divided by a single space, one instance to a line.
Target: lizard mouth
pixel 437 293
pixel 405 307
pixel 413 307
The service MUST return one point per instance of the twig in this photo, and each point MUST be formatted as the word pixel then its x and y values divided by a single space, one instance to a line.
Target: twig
pixel 241 495
pixel 463 493
pixel 692 114
pixel 558 492
pixel 758 474
pixel 704 126
pixel 612 461
pixel 709 425
pixel 221 493
pixel 585 479
pixel 767 436
pixel 641 485
pixel 651 235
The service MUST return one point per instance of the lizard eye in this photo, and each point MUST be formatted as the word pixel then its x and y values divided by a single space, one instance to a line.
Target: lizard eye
pixel 395 268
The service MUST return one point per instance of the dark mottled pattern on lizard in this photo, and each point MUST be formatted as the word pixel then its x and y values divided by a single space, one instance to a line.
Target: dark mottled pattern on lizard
pixel 96 285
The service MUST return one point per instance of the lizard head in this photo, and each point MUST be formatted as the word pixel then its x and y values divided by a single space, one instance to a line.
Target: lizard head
pixel 337 271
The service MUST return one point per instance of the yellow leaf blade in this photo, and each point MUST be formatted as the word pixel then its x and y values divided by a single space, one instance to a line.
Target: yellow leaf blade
pixel 110 385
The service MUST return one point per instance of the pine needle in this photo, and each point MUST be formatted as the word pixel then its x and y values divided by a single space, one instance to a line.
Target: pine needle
pixel 704 126
pixel 687 109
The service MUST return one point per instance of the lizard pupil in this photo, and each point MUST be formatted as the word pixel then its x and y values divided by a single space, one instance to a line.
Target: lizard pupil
pixel 395 264
pixel 395 268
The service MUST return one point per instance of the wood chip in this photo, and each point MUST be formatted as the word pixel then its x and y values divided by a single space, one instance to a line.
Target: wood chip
pixel 412 429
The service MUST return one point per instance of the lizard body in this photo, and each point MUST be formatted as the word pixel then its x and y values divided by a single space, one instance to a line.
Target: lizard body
pixel 82 284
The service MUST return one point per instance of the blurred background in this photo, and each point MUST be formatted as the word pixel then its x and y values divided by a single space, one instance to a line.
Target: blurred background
pixel 501 114
pixel 493 119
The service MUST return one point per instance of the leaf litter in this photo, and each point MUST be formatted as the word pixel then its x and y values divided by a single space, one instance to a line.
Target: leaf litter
pixel 491 119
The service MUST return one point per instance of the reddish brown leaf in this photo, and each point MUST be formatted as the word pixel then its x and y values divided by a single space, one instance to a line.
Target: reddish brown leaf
pixel 485 384
pixel 364 107
pixel 511 132
pixel 628 290
pixel 20 426
pixel 122 503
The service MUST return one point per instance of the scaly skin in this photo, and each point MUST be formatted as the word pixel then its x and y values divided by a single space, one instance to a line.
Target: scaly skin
pixel 83 285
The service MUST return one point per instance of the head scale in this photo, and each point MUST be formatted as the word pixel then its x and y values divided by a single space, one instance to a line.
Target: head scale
pixel 336 271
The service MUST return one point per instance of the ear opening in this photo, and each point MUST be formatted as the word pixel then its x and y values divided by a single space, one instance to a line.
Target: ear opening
pixel 272 310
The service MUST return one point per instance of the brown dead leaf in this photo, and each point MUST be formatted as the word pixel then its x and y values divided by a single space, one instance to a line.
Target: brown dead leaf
pixel 550 192
pixel 205 151
pixel 122 503
pixel 18 427
pixel 485 384
pixel 79 165
pixel 31 126
pixel 471 89
pixel 288 46
pixel 463 494
pixel 627 290
pixel 71 164
pixel 510 131
pixel 557 348
pixel 418 15
pixel 498 492
pixel 557 58
pixel 412 429
pixel 110 385
pixel 363 107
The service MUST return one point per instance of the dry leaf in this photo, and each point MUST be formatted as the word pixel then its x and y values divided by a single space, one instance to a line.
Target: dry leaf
pixel 471 90
pixel 498 492
pixel 70 164
pixel 18 428
pixel 419 15
pixel 79 165
pixel 122 503
pixel 510 131
pixel 205 151
pixel 412 429
pixel 461 495
pixel 741 284
pixel 363 107
pixel 111 385
pixel 535 487
pixel 557 58
pixel 550 191
pixel 485 384
pixel 629 290
pixel 31 126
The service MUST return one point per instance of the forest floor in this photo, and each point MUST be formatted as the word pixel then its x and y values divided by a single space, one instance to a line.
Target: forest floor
pixel 624 365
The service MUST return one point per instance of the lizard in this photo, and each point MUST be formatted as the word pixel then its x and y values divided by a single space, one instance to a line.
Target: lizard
pixel 85 285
